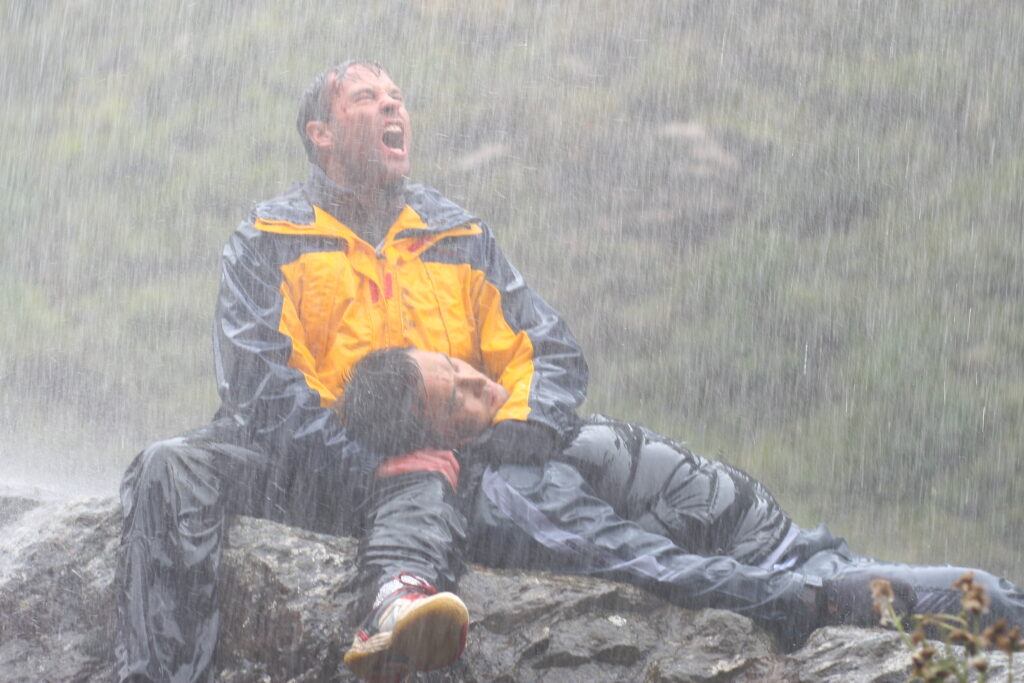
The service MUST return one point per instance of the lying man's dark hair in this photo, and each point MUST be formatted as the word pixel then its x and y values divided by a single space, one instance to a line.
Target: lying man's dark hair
pixel 383 405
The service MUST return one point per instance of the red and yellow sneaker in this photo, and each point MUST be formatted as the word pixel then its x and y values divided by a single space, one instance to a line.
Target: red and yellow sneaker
pixel 411 628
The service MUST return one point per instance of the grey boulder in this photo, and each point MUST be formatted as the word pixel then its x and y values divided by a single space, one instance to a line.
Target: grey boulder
pixel 287 615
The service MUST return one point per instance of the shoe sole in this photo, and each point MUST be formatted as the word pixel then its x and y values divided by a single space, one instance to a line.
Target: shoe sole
pixel 430 635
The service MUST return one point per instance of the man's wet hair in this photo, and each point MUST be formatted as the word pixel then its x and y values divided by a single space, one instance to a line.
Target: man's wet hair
pixel 385 402
pixel 315 103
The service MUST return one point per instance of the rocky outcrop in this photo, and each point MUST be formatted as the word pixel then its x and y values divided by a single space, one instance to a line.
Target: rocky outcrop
pixel 287 615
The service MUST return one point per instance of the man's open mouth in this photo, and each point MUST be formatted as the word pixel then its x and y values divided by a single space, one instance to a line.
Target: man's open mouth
pixel 394 137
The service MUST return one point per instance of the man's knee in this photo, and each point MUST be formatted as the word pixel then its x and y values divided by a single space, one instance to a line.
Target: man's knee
pixel 164 472
pixel 153 466
pixel 412 490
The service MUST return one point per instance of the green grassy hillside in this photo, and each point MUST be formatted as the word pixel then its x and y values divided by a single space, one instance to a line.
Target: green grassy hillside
pixel 787 233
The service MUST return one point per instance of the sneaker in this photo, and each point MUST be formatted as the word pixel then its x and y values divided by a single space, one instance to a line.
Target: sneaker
pixel 411 628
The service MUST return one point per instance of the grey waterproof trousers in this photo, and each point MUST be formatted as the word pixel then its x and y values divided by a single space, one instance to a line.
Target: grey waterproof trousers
pixel 637 507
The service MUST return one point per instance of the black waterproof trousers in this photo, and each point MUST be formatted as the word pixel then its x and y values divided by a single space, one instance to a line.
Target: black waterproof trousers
pixel 175 496
pixel 632 506
pixel 637 507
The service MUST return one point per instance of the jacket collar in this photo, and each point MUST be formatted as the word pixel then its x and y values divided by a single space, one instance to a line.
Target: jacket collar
pixel 369 217
pixel 436 213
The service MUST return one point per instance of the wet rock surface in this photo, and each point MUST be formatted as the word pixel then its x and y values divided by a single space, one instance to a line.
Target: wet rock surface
pixel 288 615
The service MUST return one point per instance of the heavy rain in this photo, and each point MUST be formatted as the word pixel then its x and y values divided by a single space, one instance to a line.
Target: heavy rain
pixel 789 235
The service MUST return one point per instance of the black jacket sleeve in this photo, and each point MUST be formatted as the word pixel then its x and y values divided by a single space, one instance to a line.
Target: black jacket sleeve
pixel 558 382
pixel 269 400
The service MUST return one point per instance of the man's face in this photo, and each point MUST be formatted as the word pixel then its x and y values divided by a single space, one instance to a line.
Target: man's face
pixel 370 134
pixel 460 401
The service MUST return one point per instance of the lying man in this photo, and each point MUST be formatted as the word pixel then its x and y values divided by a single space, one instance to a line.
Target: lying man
pixel 622 502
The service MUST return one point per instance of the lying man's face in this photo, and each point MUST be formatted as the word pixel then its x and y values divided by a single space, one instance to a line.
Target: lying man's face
pixel 460 401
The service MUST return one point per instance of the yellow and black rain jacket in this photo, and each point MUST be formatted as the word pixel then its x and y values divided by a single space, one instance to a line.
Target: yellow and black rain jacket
pixel 303 297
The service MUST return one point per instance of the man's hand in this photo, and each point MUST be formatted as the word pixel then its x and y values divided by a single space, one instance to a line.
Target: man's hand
pixel 425 460
pixel 513 441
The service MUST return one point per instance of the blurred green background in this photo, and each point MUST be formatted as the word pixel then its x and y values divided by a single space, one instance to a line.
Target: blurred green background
pixel 787 233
